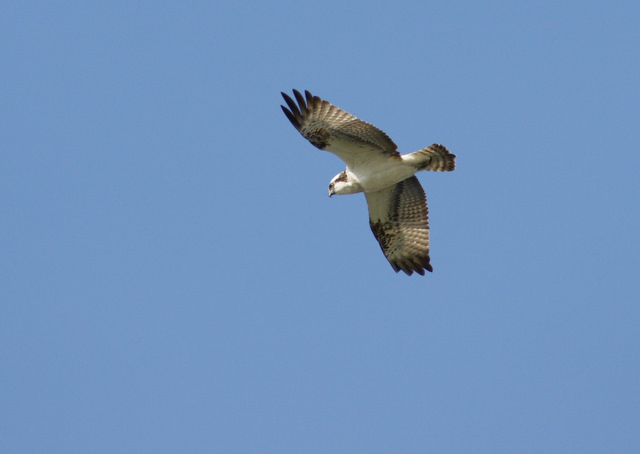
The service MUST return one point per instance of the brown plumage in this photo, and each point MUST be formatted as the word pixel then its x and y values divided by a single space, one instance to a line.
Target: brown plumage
pixel 398 214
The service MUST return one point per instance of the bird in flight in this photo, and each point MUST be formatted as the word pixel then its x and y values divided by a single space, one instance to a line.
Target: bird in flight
pixel 398 214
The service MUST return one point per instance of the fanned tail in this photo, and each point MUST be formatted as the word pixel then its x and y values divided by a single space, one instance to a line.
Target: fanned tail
pixel 435 157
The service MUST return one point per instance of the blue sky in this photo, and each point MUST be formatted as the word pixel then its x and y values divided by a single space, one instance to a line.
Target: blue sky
pixel 174 277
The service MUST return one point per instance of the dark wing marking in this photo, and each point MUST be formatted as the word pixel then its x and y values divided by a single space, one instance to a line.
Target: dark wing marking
pixel 399 219
pixel 331 128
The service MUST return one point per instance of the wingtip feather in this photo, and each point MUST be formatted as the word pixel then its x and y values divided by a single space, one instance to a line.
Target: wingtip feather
pixel 411 266
pixel 301 102
pixel 292 105
pixel 292 118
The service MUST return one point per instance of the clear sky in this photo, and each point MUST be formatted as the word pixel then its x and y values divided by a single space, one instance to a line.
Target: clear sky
pixel 174 277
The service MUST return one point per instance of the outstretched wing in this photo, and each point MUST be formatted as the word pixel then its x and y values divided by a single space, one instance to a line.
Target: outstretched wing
pixel 399 219
pixel 331 128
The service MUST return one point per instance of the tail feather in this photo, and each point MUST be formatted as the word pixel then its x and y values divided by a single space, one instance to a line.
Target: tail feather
pixel 435 157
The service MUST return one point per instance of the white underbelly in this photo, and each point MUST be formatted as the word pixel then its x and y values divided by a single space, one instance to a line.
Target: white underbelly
pixel 377 178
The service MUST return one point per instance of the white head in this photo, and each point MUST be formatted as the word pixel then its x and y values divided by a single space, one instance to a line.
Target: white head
pixel 343 183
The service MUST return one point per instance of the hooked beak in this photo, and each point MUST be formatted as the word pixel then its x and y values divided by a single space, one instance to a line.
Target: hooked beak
pixel 331 192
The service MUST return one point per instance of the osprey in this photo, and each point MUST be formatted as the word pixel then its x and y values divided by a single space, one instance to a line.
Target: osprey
pixel 398 213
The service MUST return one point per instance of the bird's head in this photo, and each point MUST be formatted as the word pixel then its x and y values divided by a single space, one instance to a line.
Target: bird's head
pixel 344 184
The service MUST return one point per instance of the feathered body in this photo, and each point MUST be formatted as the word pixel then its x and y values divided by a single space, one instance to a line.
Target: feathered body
pixel 398 213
